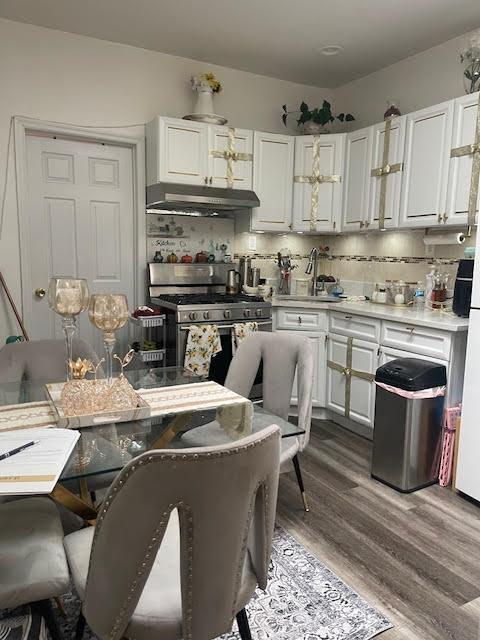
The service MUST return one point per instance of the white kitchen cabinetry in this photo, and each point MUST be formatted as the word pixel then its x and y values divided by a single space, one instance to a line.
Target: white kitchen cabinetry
pixel 460 172
pixel 273 181
pixel 328 212
pixel 317 340
pixel 242 169
pixel 393 180
pixel 358 160
pixel 417 339
pixel 362 391
pixel 177 151
pixel 427 151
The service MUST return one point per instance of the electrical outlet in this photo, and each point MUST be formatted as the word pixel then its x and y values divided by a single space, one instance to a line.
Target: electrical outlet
pixel 252 243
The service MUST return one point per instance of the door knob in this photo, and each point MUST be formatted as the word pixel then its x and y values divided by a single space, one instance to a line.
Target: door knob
pixel 40 292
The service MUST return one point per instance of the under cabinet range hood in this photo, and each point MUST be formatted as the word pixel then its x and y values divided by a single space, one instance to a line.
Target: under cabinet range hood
pixel 199 200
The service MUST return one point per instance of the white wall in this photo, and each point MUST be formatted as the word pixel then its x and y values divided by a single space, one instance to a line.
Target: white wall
pixel 63 77
pixel 422 80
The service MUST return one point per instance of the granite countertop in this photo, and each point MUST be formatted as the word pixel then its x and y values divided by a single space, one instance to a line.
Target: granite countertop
pixel 446 321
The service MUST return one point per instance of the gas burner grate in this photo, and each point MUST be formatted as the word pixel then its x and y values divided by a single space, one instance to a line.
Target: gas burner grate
pixel 207 298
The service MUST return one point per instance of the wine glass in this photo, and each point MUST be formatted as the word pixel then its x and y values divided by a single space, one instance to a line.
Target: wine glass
pixel 68 297
pixel 108 312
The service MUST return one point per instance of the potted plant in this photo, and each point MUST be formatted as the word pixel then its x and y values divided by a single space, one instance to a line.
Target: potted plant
pixel 314 120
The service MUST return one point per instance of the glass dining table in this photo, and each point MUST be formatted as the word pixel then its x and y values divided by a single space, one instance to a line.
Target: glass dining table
pixel 104 449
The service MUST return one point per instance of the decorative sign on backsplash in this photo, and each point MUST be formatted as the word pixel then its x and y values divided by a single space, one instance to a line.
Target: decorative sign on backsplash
pixel 187 236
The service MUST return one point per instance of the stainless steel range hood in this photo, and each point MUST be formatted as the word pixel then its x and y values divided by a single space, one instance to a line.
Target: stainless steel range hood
pixel 199 200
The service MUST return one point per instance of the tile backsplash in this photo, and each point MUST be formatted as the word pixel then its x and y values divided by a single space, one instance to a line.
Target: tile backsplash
pixel 353 258
pixel 370 257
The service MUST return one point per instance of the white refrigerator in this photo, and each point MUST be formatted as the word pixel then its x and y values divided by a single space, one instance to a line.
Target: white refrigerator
pixel 468 465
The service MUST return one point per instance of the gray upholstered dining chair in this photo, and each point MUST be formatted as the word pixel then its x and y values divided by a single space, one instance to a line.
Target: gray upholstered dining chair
pixel 33 566
pixel 283 356
pixel 39 360
pixel 180 544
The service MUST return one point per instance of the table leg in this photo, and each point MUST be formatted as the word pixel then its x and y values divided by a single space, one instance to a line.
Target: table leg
pixel 73 502
pixel 175 426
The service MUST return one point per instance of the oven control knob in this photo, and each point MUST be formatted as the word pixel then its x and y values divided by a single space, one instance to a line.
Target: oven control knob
pixel 227 314
pixel 258 313
pixel 192 315
pixel 206 315
pixel 246 313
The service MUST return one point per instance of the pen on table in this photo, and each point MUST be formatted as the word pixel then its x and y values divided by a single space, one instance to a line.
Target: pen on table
pixel 7 454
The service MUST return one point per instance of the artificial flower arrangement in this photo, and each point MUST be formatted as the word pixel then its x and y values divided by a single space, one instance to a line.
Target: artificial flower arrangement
pixel 206 81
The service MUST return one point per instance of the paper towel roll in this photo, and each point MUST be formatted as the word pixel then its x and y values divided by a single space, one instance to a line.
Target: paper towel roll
pixel 444 238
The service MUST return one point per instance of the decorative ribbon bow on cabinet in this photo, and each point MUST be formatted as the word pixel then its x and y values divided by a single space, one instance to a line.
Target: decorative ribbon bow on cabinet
pixel 384 171
pixel 231 156
pixel 474 151
pixel 316 179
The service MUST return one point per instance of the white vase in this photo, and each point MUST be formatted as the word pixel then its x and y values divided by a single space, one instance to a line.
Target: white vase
pixel 204 103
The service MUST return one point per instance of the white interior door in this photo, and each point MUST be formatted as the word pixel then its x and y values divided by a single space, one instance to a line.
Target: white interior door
pixel 80 223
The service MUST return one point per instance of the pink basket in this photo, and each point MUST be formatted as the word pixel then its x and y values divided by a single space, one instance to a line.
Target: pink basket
pixel 450 418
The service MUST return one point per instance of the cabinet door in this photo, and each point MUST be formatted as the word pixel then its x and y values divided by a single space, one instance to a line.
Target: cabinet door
pixel 427 156
pixel 330 193
pixel 242 169
pixel 358 160
pixel 387 355
pixel 460 172
pixel 362 395
pixel 317 340
pixel 273 181
pixel 183 151
pixel 394 180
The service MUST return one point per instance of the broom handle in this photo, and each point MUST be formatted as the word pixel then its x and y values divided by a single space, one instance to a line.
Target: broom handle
pixel 14 307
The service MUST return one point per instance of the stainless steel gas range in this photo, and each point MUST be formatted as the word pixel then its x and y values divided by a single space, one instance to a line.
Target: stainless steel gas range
pixel 196 294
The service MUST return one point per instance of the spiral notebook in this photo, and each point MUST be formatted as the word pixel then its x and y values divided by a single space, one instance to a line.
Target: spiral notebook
pixel 37 469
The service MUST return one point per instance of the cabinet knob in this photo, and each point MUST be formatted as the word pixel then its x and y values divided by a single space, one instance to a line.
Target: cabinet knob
pixel 206 180
pixel 411 329
pixel 361 224
pixel 367 223
pixel 210 180
pixel 40 292
pixel 299 319
pixel 348 317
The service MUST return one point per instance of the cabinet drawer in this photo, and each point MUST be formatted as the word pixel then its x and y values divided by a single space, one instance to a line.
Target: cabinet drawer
pixel 421 340
pixel 300 319
pixel 360 327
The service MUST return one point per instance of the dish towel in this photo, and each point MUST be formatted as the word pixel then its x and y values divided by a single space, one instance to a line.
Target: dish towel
pixel 203 343
pixel 240 331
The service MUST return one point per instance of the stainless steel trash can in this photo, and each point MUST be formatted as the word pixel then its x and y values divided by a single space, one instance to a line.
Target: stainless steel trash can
pixel 407 436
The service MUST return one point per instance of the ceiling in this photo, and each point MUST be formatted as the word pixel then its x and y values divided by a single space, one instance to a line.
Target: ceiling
pixel 278 38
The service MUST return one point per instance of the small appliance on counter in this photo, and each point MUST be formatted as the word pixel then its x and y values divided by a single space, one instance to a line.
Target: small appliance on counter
pixel 462 294
pixel 436 296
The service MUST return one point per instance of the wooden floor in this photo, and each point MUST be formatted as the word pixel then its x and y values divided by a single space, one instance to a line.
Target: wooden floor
pixel 416 557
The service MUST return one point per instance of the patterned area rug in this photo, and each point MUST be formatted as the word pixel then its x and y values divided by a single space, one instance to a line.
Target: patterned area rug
pixel 304 601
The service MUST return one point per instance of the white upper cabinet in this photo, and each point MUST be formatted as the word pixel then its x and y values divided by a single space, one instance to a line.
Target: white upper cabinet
pixel 393 180
pixel 181 151
pixel 427 151
pixel 461 167
pixel 327 213
pixel 273 181
pixel 358 160
pixel 177 151
pixel 218 140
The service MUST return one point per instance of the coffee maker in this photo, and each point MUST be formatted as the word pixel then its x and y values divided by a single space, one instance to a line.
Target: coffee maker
pixel 462 294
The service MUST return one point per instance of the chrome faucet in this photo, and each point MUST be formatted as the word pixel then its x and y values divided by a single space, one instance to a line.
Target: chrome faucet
pixel 313 266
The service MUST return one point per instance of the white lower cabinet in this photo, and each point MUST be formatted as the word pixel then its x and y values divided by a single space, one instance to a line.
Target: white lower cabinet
pixel 317 340
pixel 358 404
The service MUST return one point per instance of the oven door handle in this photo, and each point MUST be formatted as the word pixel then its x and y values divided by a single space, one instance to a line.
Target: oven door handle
pixel 227 326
